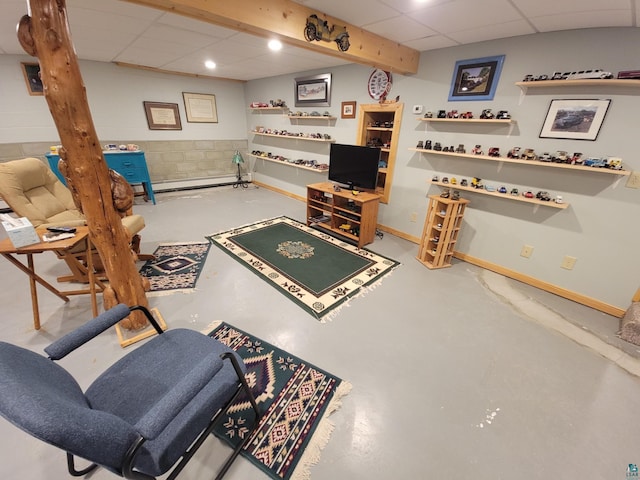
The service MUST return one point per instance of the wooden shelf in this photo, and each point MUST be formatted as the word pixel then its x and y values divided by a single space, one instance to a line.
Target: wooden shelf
pixel 273 109
pixel 311 117
pixel 380 129
pixel 469 120
pixel 536 163
pixel 292 137
pixel 505 196
pixel 612 82
pixel 289 164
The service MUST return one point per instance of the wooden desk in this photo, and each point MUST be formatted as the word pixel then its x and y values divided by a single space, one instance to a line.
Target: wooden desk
pixel 63 248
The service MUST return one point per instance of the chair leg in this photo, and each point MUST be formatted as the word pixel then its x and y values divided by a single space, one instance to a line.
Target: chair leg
pixel 78 473
pixel 242 387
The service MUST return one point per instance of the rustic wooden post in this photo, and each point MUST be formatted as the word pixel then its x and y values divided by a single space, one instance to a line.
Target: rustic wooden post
pixel 45 35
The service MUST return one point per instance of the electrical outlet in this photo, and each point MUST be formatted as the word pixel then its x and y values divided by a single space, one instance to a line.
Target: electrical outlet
pixel 568 262
pixel 526 251
pixel 414 217
pixel 633 180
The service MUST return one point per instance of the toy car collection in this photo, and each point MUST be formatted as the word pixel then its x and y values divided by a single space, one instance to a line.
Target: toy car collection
pixel 487 114
pixel 503 115
pixel 494 152
pixel 514 153
pixel 477 150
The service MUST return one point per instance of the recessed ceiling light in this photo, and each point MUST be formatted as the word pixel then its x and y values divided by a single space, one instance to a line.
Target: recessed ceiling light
pixel 210 64
pixel 275 45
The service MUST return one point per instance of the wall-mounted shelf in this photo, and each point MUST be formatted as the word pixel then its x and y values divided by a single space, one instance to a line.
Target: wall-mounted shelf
pixel 469 120
pixel 292 137
pixel 311 117
pixel 289 164
pixel 535 163
pixel 505 196
pixel 273 109
pixel 613 82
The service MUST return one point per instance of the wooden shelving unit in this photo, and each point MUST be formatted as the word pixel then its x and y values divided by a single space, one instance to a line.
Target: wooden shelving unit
pixel 289 164
pixel 519 161
pixel 353 217
pixel 504 196
pixel 369 115
pixel 441 229
pixel 613 82
pixel 292 137
pixel 468 120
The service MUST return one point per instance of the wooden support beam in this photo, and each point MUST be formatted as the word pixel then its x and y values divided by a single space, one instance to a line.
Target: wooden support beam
pixel 287 20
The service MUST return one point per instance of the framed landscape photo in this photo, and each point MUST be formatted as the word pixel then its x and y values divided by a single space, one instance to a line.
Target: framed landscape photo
pixel 200 107
pixel 575 119
pixel 476 79
pixel 31 72
pixel 314 91
pixel 162 116
pixel 348 110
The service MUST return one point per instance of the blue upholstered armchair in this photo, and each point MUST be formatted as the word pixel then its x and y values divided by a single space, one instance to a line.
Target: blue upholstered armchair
pixel 149 411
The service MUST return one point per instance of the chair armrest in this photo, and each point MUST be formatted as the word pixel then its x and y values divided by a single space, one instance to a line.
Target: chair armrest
pixel 72 340
pixel 162 413
pixel 68 223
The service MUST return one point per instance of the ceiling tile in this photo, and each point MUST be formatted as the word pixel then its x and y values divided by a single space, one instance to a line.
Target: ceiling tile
pixel 609 18
pixel 192 25
pixel 431 43
pixel 466 15
pixel 541 8
pixel 400 29
pixel 505 30
pixel 408 6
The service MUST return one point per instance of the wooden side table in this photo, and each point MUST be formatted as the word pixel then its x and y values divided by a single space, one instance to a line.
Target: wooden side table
pixel 64 249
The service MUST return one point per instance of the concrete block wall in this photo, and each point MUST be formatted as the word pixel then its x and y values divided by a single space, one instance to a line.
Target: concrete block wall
pixel 166 160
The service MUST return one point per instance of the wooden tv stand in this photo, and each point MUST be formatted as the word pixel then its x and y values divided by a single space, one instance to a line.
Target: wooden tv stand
pixel 353 217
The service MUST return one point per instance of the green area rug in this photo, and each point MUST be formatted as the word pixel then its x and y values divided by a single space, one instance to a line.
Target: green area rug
pixel 295 399
pixel 176 268
pixel 317 271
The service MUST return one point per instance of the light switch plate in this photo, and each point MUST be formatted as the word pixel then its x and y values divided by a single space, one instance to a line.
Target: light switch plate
pixel 417 109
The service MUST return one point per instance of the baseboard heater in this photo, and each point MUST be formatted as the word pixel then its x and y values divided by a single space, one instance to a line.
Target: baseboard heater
pixel 196 183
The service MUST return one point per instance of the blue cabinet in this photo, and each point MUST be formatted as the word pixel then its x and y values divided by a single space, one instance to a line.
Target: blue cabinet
pixel 131 165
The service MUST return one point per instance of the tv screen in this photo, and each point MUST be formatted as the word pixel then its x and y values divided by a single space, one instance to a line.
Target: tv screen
pixel 354 166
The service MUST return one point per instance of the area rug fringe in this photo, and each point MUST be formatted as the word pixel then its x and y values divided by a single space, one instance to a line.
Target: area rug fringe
pixel 211 327
pixel 164 293
pixel 362 292
pixel 321 436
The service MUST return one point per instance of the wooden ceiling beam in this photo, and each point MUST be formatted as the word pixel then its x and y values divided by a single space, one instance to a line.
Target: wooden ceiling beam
pixel 287 21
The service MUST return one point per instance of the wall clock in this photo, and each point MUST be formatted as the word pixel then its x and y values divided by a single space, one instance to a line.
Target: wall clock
pixel 379 84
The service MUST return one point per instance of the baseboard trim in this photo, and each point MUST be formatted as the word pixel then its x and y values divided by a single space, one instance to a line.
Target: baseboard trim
pixel 547 287
pixel 521 277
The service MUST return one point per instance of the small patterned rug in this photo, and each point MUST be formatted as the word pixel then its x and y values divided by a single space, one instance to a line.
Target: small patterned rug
pixel 176 268
pixel 317 271
pixel 295 399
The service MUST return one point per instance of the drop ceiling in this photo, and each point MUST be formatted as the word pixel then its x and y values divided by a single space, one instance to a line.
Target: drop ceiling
pixel 117 31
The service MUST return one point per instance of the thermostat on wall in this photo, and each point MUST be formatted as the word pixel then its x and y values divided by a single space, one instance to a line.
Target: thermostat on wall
pixel 417 109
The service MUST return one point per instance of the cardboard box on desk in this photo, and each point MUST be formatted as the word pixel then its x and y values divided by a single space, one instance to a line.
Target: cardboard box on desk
pixel 21 232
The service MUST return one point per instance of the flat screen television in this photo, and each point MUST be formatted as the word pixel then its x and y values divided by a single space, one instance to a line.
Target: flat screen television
pixel 354 166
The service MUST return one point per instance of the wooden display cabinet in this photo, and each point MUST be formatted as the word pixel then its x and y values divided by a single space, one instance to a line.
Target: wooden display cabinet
pixel 354 217
pixel 441 229
pixel 380 123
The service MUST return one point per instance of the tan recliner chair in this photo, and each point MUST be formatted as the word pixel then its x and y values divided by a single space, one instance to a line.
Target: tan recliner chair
pixel 32 190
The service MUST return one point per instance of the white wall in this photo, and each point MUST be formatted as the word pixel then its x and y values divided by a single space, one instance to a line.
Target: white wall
pixel 600 227
pixel 115 97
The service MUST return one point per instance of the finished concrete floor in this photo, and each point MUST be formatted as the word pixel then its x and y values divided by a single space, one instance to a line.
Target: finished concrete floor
pixel 456 373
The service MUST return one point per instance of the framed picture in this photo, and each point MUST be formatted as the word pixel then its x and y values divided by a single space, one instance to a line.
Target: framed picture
pixel 162 116
pixel 314 91
pixel 348 110
pixel 574 119
pixel 200 107
pixel 31 72
pixel 476 79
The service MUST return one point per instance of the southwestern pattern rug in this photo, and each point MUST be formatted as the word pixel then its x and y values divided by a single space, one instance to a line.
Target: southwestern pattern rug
pixel 295 398
pixel 176 268
pixel 317 271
